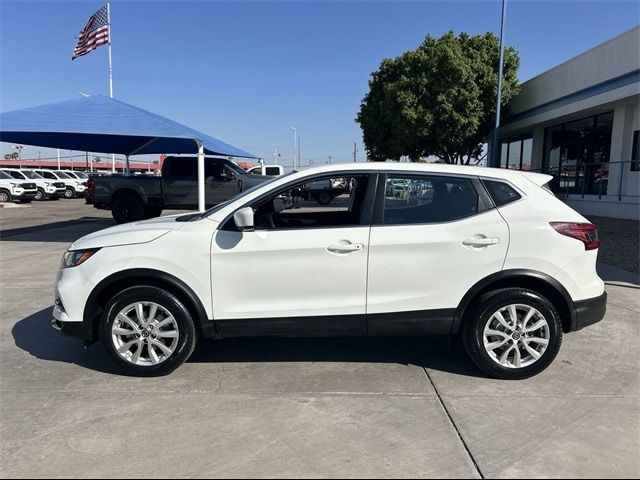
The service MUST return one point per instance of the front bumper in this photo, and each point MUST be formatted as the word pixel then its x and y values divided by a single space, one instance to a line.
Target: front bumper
pixel 55 192
pixel 61 323
pixel 590 311
pixel 24 194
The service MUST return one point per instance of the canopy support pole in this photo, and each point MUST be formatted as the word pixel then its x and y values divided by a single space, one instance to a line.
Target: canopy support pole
pixel 128 171
pixel 201 204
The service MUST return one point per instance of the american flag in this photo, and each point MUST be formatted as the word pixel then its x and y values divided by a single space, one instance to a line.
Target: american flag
pixel 94 33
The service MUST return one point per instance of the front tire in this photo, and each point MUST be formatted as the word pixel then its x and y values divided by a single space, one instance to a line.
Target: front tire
pixel 5 196
pixel 69 193
pixel 512 333
pixel 40 195
pixel 147 331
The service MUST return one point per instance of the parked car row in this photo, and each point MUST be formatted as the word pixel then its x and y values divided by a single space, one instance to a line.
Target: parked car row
pixel 27 184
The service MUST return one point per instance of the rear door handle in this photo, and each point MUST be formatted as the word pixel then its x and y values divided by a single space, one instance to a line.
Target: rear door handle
pixel 345 246
pixel 480 242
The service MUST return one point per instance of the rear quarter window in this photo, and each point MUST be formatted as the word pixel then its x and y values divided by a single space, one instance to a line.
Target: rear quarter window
pixel 501 193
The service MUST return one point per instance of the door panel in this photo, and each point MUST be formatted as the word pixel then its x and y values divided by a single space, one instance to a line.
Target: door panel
pixel 427 267
pixel 290 273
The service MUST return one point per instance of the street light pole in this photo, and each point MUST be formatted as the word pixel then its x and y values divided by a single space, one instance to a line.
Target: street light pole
pixel 295 146
pixel 19 149
pixel 495 147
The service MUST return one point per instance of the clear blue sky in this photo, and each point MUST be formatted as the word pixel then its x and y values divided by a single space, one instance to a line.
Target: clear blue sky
pixel 245 72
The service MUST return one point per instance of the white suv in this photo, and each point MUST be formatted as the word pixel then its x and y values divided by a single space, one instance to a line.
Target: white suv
pixel 74 187
pixel 47 189
pixel 15 190
pixel 488 254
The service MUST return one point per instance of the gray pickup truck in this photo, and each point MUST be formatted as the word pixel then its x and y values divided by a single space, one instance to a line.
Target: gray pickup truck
pixel 136 197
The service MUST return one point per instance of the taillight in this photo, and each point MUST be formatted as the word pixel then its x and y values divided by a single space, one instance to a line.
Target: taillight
pixel 91 186
pixel 587 233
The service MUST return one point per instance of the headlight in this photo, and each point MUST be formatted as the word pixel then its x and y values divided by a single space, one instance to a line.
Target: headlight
pixel 15 184
pixel 76 257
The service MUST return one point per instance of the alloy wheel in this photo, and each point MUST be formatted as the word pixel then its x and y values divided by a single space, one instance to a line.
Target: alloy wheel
pixel 516 336
pixel 145 333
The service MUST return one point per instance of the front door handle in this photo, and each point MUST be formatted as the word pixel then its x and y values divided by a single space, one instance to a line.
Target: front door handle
pixel 345 246
pixel 480 242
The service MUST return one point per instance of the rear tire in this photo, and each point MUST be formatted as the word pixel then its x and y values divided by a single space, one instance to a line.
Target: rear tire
pixel 127 207
pixel 510 350
pixel 162 337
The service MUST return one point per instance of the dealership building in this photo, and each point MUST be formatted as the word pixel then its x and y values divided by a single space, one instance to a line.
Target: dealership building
pixel 580 122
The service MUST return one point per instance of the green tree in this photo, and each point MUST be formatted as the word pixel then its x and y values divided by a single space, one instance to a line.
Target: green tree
pixel 437 100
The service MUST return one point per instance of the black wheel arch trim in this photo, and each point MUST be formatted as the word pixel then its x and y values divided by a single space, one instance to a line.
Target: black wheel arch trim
pixel 497 277
pixel 92 311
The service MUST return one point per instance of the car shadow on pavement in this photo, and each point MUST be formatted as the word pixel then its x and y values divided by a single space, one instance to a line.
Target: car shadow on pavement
pixel 64 231
pixel 34 334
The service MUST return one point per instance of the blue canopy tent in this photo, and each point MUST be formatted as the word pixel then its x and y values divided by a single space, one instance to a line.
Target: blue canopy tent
pixel 101 124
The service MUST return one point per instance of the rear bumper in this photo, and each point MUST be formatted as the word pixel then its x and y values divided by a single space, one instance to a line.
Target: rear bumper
pixel 589 311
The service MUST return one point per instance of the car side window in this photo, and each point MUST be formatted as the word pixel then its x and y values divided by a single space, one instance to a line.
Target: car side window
pixel 218 170
pixel 501 193
pixel 419 199
pixel 321 203
pixel 184 168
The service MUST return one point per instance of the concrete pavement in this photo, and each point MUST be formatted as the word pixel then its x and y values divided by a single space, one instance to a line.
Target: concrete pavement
pixel 381 407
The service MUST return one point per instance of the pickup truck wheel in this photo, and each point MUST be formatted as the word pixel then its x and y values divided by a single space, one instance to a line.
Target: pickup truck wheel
pixel 126 207
pixel 514 333
pixel 147 331
pixel 5 196
pixel 40 195
pixel 324 198
pixel 152 212
pixel 69 193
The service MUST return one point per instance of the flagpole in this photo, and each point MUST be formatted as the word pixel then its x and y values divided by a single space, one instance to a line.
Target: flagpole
pixel 113 157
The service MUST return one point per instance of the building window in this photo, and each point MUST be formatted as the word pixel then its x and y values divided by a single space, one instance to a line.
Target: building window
pixel 515 152
pixel 577 154
pixel 635 152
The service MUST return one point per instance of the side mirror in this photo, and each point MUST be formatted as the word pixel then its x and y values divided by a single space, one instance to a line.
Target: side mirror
pixel 243 219
pixel 278 204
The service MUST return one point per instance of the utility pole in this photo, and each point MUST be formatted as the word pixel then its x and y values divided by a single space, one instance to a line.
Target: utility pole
pixel 495 146
pixel 355 151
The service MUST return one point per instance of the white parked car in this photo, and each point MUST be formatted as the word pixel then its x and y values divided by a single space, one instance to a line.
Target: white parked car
pixel 489 254
pixel 74 187
pixel 269 170
pixel 15 190
pixel 47 189
pixel 76 174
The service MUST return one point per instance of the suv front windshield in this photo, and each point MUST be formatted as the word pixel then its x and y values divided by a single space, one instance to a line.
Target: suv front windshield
pixel 31 174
